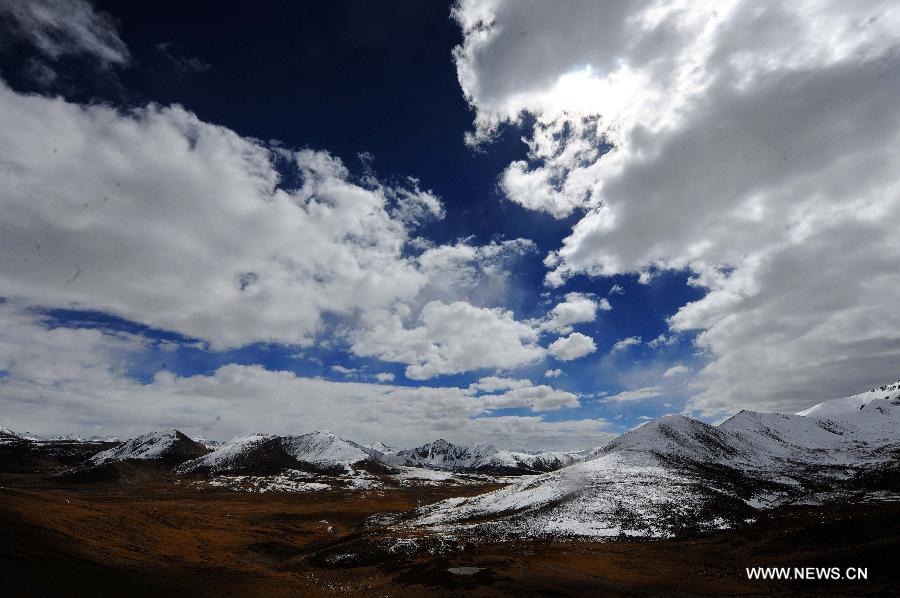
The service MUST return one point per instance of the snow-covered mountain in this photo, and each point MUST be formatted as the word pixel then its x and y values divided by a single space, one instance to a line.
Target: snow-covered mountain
pixel 441 454
pixel 381 448
pixel 512 462
pixel 167 446
pixel 481 458
pixel 7 435
pixel 255 454
pixel 842 408
pixel 676 474
pixel 209 443
pixel 328 452
pixel 266 454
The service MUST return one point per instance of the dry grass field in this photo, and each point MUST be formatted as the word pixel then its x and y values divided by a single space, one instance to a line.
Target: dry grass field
pixel 153 534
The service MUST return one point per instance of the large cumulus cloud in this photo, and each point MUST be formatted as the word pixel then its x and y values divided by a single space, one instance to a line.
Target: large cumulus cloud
pixel 754 144
pixel 158 217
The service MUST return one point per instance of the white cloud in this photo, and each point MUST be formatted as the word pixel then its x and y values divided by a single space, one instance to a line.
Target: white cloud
pixel 572 347
pixel 662 341
pixel 616 289
pixel 449 339
pixel 384 377
pixel 64 27
pixel 555 373
pixel 75 380
pixel 414 206
pixel 538 398
pixel 495 383
pixel 640 394
pixel 342 370
pixel 676 370
pixel 160 218
pixel 623 344
pixel 578 308
pixel 476 272
pixel 115 212
pixel 753 143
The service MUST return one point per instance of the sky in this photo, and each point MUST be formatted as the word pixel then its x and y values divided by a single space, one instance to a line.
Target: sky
pixel 527 223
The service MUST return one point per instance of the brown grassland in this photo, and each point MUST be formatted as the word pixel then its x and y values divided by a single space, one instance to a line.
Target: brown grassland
pixel 149 535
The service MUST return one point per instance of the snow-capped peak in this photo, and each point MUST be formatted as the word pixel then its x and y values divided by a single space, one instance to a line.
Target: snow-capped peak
pixel 442 454
pixel 8 436
pixel 166 445
pixel 254 453
pixel 672 436
pixel 324 448
pixel 381 447
pixel 841 408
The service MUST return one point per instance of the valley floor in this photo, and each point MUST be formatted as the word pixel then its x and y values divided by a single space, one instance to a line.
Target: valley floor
pixel 152 536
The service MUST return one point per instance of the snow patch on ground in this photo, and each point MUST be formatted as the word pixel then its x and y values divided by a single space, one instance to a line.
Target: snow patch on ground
pixel 289 481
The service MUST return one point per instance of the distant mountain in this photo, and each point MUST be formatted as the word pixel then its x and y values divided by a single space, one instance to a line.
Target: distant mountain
pixel 7 435
pixel 256 454
pixel 482 458
pixel 515 463
pixel 441 454
pixel 169 447
pixel 207 442
pixel 263 454
pixel 381 447
pixel 676 475
pixel 325 451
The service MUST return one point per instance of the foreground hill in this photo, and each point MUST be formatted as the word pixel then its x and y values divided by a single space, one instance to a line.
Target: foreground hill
pixel 676 475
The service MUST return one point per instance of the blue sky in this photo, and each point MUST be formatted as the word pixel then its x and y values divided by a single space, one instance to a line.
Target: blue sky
pixel 438 179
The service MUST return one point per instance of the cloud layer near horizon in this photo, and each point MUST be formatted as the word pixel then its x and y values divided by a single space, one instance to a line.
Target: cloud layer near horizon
pixel 62 379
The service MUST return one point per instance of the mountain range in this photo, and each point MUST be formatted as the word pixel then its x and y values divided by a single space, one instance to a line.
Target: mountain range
pixel 672 476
